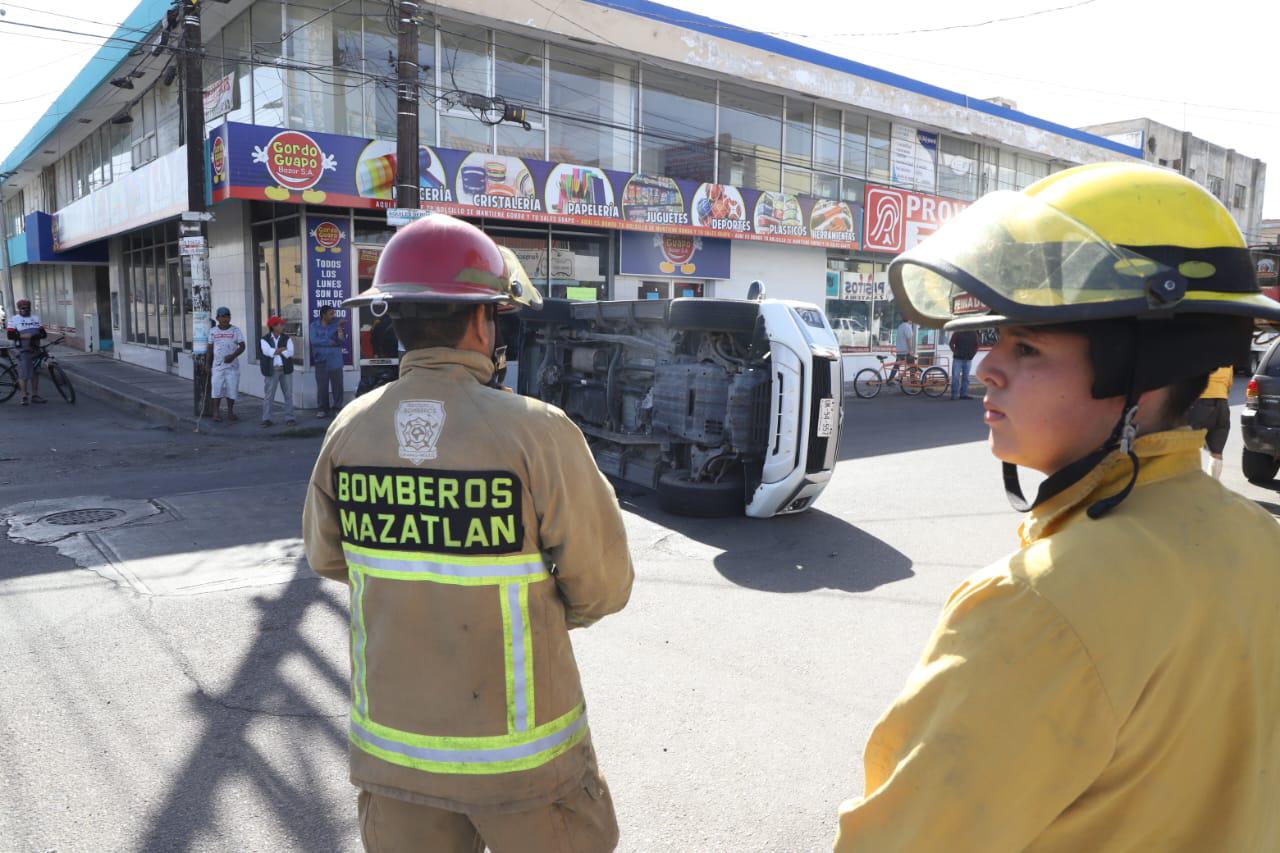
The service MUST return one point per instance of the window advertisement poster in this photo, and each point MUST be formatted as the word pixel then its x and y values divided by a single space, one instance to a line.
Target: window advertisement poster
pixel 913 158
pixel 329 271
pixel 673 255
pixel 292 166
pixel 897 220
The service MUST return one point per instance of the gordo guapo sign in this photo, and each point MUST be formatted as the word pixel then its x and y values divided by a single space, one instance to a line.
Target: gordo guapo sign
pixel 271 164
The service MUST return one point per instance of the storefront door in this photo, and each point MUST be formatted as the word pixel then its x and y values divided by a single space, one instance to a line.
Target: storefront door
pixel 378 346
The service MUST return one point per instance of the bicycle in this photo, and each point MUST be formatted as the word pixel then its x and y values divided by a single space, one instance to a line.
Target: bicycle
pixel 9 375
pixel 912 379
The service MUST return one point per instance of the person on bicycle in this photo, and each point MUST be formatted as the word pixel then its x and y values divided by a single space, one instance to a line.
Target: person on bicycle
pixel 904 346
pixel 1114 684
pixel 26 330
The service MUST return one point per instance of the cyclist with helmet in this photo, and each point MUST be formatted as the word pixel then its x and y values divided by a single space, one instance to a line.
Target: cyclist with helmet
pixel 1114 684
pixel 26 330
pixel 474 530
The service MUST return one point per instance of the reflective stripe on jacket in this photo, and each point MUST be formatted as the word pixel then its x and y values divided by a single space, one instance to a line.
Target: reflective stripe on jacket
pixel 1113 685
pixel 474 529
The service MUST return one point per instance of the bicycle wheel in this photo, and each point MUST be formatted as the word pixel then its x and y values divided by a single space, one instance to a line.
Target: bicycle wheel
pixel 867 383
pixel 935 381
pixel 8 383
pixel 62 382
pixel 911 381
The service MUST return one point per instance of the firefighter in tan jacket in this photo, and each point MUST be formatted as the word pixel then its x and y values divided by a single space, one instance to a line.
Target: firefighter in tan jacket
pixel 474 530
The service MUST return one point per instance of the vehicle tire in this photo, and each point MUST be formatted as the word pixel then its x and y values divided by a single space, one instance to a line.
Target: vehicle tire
pixel 63 383
pixel 867 383
pixel 909 378
pixel 8 383
pixel 1259 468
pixel 935 381
pixel 679 495
pixel 713 315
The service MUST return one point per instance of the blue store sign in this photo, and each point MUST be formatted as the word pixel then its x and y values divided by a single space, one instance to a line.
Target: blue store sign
pixel 673 255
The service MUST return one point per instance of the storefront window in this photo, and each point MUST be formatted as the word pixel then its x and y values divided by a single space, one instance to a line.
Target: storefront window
pixel 878 136
pixel 532 250
pixel 679 120
pixel 236 51
pixel 278 284
pixel 150 267
pixel 799 140
pixel 267 25
pixel 458 130
pixel 518 78
pixel 826 139
pixel 328 100
pixel 853 291
pixel 750 138
pixel 958 169
pixel 797 181
pixel 592 110
pixel 1007 177
pixel 854 140
pixel 1030 171
pixel 578 266
pixel 380 46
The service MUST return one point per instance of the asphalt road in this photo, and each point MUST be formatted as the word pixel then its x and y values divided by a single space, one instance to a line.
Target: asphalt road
pixel 177 681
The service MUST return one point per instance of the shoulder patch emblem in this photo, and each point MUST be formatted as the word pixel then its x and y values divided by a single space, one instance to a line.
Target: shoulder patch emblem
pixel 418 427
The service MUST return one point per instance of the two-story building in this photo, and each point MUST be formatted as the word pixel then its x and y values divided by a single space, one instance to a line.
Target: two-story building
pixel 661 154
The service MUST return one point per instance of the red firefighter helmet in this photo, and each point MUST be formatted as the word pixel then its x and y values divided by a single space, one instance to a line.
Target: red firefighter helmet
pixel 442 260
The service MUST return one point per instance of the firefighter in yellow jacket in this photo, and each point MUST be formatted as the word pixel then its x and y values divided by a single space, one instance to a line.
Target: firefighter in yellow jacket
pixel 474 530
pixel 1115 683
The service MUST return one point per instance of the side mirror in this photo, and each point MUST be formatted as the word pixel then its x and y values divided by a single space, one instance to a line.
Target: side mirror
pixel 755 292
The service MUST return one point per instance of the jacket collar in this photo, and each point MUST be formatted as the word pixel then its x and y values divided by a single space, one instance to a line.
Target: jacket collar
pixel 458 362
pixel 1162 455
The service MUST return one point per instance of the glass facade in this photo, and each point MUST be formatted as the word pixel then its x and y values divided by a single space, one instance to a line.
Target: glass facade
pixel 278 272
pixel 678 121
pixel 592 110
pixel 157 311
pixel 750 138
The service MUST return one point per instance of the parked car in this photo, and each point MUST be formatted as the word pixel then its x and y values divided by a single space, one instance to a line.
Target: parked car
pixel 1260 420
pixel 1262 341
pixel 851 332
pixel 720 406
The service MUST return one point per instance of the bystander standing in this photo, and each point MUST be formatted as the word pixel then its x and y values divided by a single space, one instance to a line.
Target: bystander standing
pixel 964 346
pixel 1212 413
pixel 326 357
pixel 226 343
pixel 276 364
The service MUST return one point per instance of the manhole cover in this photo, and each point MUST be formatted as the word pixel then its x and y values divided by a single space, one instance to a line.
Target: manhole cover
pixel 78 517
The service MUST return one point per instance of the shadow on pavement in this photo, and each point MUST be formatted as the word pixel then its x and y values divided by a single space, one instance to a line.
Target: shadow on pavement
pixel 240 739
pixel 793 553
pixel 896 423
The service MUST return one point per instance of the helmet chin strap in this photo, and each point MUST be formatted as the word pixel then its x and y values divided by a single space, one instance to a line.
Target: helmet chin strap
pixel 499 354
pixel 1122 437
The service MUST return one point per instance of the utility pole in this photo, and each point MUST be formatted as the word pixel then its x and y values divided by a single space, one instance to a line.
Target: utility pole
pixel 193 225
pixel 407 104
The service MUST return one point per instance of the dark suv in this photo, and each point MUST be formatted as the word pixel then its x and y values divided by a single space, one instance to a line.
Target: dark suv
pixel 1260 422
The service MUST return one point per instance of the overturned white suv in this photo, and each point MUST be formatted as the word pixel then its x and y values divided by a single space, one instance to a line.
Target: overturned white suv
pixel 719 405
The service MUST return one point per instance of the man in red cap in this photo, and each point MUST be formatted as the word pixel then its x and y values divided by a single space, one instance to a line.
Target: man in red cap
pixel 276 363
pixel 474 530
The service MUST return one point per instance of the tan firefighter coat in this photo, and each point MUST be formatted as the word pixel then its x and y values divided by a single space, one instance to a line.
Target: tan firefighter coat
pixel 474 530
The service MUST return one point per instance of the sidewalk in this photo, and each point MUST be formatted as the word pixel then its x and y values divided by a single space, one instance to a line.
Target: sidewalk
pixel 167 398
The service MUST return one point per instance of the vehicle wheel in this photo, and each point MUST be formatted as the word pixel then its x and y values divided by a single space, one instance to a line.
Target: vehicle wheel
pixel 1259 468
pixel 8 383
pixel 679 495
pixel 63 383
pixel 713 315
pixel 910 380
pixel 935 381
pixel 867 383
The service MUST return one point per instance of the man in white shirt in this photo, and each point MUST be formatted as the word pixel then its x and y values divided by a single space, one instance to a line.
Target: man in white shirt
pixel 276 363
pixel 26 330
pixel 904 346
pixel 226 343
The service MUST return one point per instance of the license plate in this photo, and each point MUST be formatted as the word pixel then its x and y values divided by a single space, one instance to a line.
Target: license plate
pixel 827 417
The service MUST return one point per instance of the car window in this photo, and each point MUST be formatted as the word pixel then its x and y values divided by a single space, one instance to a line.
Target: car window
pixel 1271 361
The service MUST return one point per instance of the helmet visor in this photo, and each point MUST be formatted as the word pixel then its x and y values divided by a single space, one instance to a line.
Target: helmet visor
pixel 1011 258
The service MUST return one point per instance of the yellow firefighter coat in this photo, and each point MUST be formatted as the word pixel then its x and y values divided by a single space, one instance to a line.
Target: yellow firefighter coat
pixel 474 530
pixel 1114 685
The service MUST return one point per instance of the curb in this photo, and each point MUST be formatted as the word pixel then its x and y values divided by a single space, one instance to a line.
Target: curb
pixel 93 388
